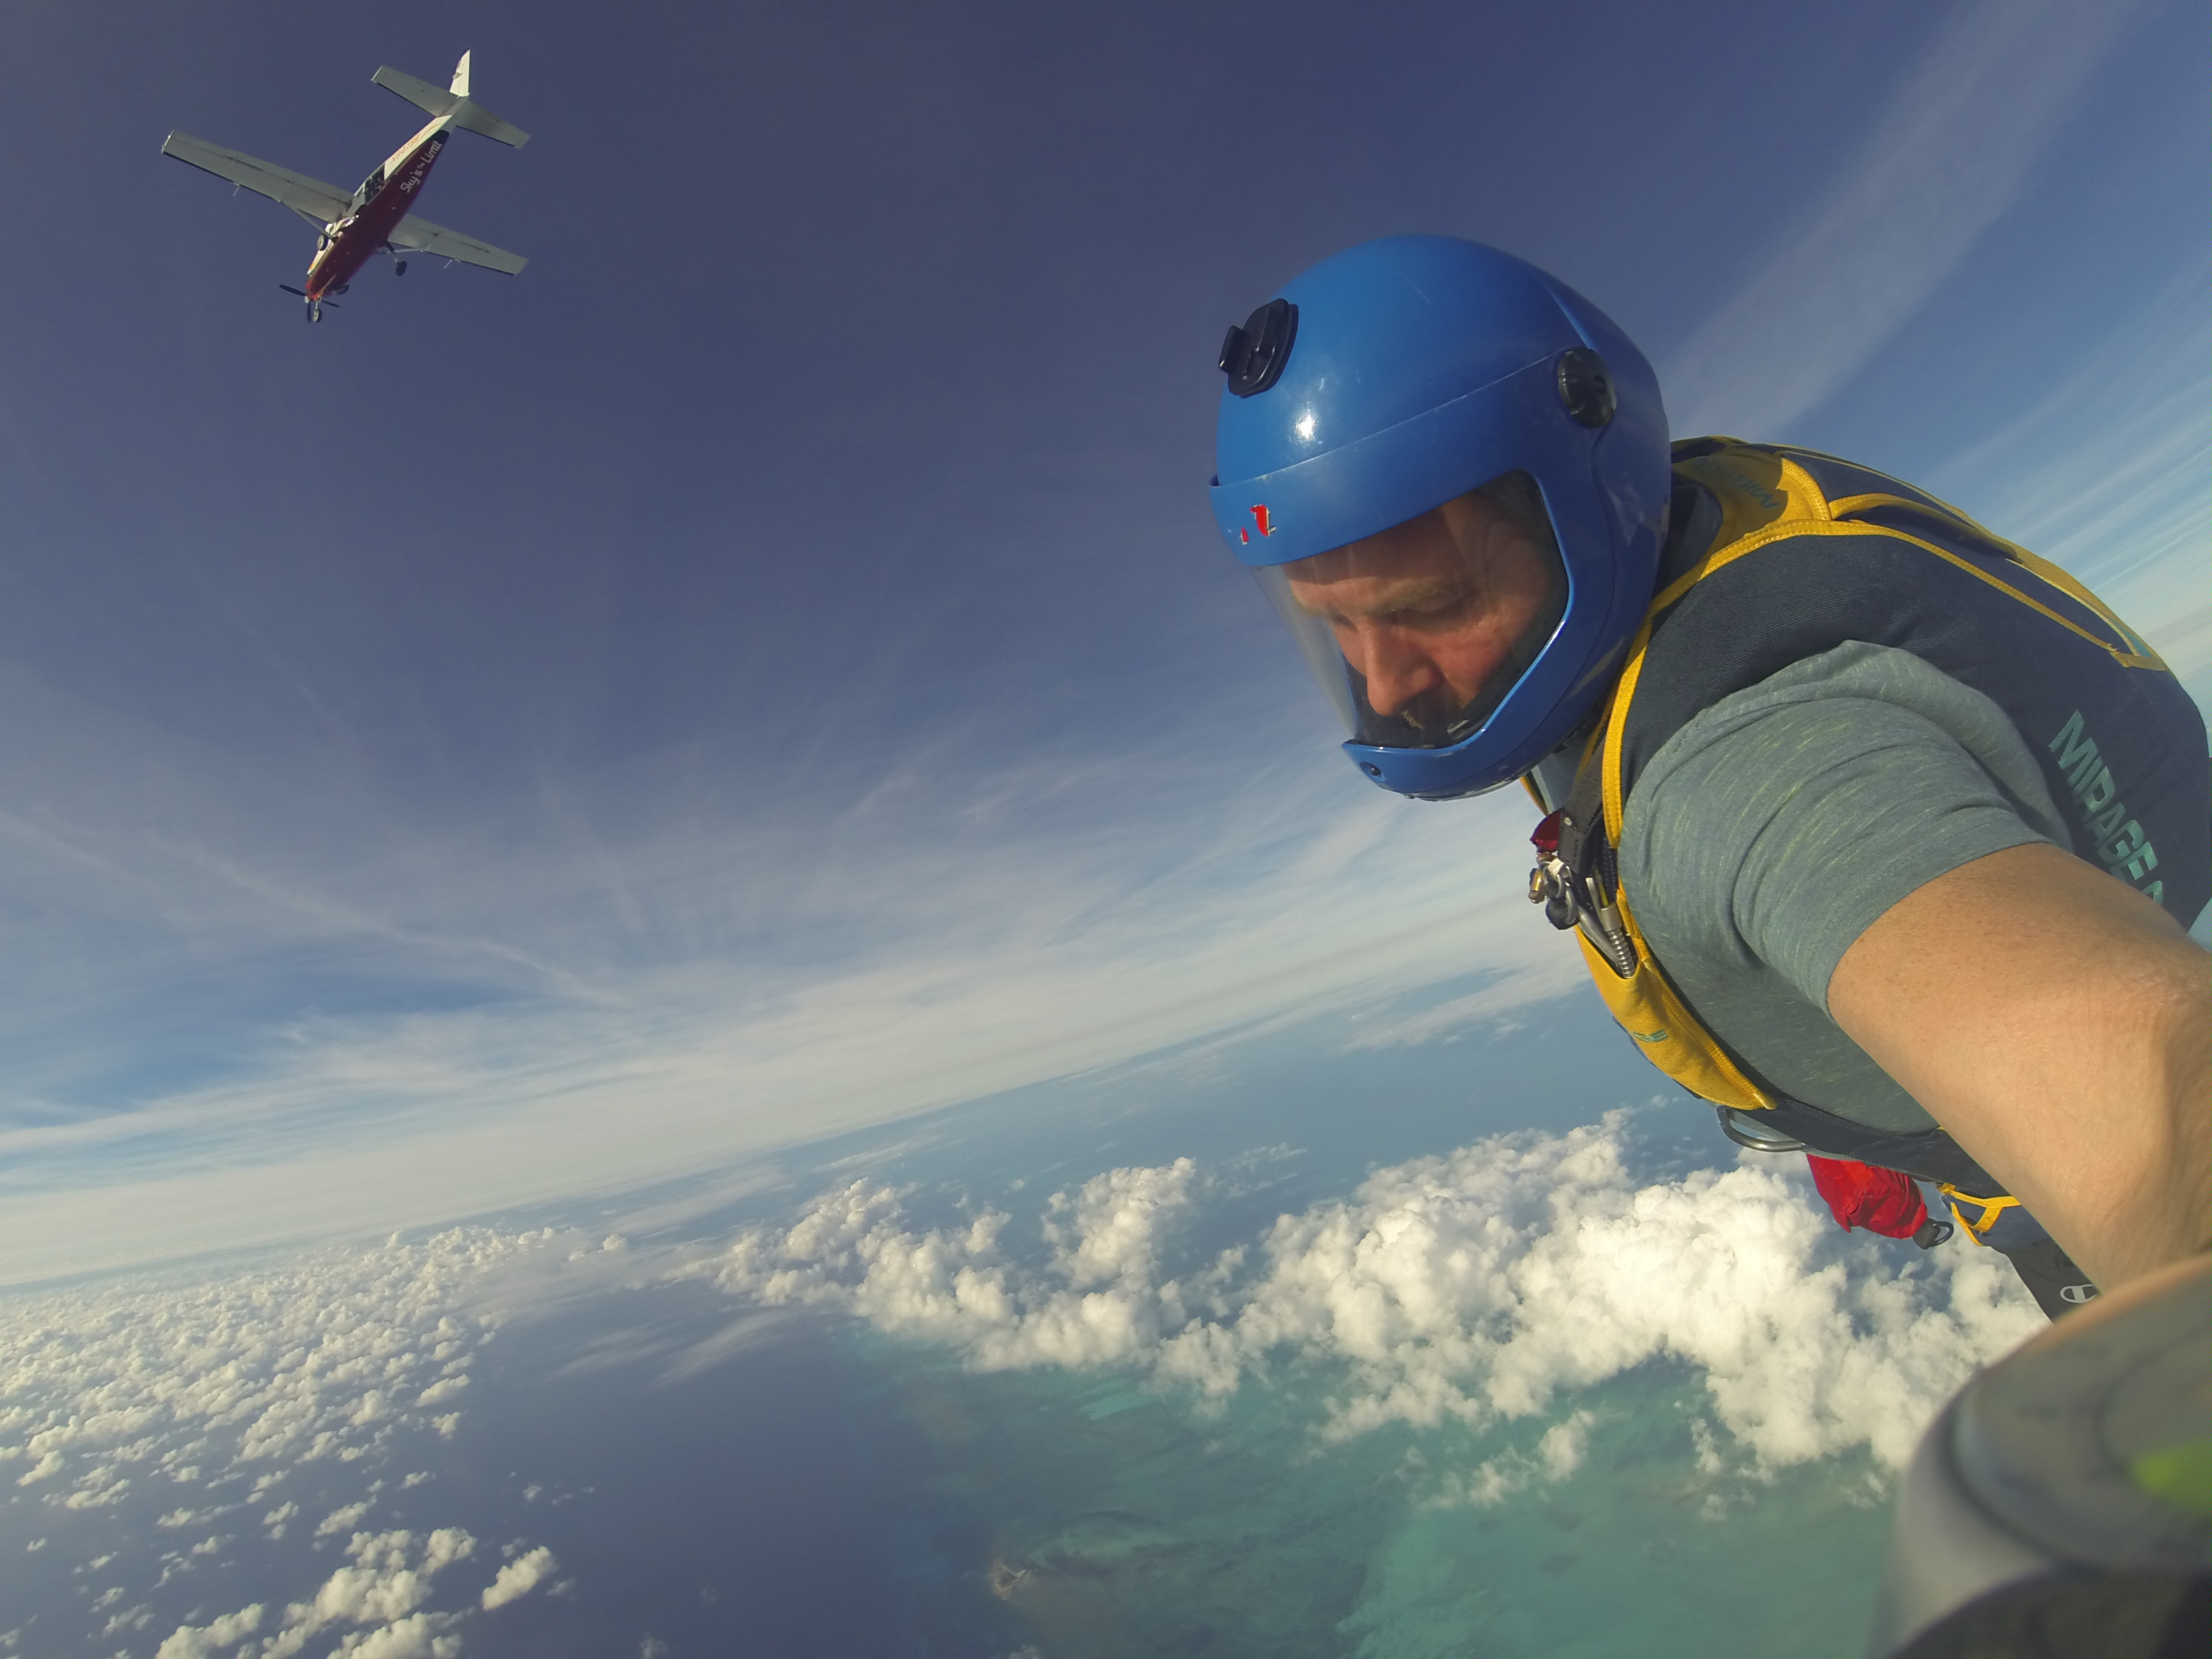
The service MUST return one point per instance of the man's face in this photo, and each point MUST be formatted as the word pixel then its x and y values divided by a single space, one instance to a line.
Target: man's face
pixel 1426 611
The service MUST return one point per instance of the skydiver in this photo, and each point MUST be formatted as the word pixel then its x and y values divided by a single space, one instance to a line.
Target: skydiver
pixel 1877 831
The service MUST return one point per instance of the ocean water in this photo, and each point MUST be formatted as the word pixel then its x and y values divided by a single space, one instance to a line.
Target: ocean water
pixel 807 1486
pixel 1118 1526
pixel 1109 1512
pixel 1145 1362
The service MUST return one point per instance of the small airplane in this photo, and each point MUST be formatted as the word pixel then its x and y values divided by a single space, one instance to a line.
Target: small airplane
pixel 352 229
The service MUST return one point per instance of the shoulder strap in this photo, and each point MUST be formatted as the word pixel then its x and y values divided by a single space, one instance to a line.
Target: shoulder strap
pixel 1578 880
pixel 1583 841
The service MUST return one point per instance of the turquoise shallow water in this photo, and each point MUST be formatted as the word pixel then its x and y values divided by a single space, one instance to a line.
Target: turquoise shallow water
pixel 873 1465
pixel 1104 1513
pixel 817 1488
pixel 1122 1523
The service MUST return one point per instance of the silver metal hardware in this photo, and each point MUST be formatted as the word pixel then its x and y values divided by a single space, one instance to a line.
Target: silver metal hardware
pixel 1552 885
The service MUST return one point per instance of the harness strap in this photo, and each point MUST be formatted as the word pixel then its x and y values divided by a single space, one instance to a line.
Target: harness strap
pixel 1578 881
pixel 1576 878
pixel 1988 1209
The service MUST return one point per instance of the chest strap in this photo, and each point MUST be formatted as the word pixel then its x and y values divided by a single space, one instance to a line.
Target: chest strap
pixel 1576 878
pixel 1578 881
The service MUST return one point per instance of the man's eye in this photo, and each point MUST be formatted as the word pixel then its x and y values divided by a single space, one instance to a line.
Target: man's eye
pixel 1440 608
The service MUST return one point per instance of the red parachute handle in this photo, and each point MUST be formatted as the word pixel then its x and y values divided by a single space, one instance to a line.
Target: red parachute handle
pixel 1884 1201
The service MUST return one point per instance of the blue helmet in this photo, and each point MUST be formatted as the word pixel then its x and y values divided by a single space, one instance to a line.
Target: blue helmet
pixel 1393 381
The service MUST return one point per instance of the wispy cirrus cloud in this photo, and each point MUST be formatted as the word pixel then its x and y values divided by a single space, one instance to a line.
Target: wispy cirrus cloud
pixel 1950 149
pixel 2110 473
pixel 973 941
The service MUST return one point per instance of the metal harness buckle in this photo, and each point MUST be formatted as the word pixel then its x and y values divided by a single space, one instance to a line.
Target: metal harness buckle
pixel 1572 899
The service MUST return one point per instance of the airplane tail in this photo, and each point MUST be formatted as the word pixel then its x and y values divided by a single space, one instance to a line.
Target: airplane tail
pixel 453 104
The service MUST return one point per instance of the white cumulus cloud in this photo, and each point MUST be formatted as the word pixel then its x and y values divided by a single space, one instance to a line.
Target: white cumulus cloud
pixel 145 1378
pixel 1557 1454
pixel 519 1577
pixel 116 1390
pixel 384 1590
pixel 1477 1286
pixel 850 1249
pixel 342 1520
pixel 203 1641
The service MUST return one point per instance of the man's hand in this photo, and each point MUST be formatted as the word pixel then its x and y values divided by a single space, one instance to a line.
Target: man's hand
pixel 2059 1025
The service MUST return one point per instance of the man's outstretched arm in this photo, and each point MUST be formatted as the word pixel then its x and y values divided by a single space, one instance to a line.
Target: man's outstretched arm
pixel 2059 1025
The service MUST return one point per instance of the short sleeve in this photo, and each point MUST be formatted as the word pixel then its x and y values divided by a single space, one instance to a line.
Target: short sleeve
pixel 1774 828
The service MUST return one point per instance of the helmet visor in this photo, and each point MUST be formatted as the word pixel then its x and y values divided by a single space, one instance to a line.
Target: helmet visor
pixel 1417 632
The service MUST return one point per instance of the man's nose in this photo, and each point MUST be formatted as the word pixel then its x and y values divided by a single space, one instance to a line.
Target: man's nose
pixel 1395 673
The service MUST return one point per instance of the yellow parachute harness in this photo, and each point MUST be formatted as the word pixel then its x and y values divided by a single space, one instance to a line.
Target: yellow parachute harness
pixel 1764 496
pixel 1987 1209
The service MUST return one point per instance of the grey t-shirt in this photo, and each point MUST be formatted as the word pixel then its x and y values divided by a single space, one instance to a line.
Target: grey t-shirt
pixel 1774 827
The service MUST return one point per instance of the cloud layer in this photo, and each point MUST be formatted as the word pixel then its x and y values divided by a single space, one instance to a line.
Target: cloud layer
pixel 210 1400
pixel 1482 1285
pixel 380 1594
pixel 990 960
pixel 1500 1284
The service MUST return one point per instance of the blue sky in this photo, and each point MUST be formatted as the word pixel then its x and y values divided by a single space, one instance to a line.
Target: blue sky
pixel 768 668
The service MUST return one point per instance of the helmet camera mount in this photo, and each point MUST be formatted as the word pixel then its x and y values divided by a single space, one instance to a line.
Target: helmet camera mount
pixel 1586 388
pixel 1255 356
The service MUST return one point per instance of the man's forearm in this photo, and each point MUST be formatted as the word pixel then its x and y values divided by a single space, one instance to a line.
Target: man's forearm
pixel 2059 1025
pixel 2185 1198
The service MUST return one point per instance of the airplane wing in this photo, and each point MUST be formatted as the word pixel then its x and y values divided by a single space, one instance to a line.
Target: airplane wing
pixel 422 235
pixel 309 197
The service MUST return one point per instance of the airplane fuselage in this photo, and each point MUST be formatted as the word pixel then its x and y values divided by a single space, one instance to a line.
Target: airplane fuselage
pixel 386 197
pixel 353 225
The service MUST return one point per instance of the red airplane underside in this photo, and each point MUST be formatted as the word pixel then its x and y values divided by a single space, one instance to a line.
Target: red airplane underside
pixel 354 225
pixel 364 231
